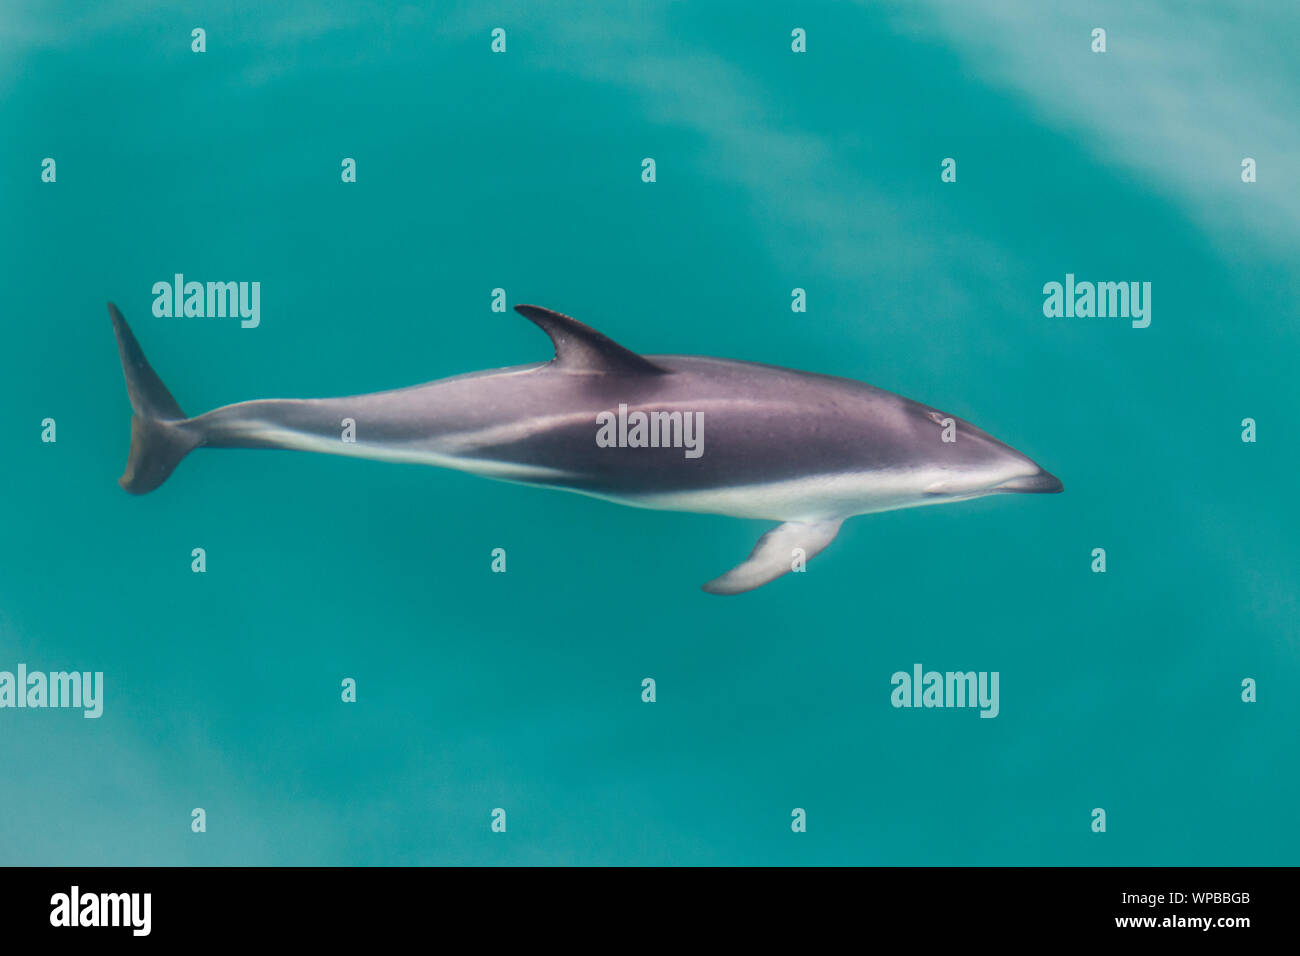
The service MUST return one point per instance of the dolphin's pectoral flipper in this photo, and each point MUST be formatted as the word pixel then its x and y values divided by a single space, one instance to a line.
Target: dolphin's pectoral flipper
pixel 580 348
pixel 774 555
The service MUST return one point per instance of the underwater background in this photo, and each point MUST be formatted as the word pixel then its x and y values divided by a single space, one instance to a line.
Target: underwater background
pixel 775 170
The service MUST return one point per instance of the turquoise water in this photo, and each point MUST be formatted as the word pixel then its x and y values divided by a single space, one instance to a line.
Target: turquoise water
pixel 774 171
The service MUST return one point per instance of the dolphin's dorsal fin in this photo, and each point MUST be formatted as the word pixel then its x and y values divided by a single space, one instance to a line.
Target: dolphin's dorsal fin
pixel 580 348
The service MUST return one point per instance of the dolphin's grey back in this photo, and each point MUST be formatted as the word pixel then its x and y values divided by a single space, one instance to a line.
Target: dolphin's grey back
pixel 760 424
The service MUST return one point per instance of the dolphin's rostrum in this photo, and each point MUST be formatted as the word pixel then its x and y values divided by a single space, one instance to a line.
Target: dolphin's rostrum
pixel 803 449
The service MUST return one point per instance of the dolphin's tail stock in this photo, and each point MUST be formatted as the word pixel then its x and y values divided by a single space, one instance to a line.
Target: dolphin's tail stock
pixel 159 439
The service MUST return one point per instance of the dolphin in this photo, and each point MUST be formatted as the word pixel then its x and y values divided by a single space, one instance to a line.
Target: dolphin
pixel 729 437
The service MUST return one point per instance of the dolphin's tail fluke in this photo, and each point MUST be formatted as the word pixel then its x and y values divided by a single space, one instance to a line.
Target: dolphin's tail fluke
pixel 159 439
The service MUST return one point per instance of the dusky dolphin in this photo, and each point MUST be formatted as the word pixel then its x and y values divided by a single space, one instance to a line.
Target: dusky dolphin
pixel 803 449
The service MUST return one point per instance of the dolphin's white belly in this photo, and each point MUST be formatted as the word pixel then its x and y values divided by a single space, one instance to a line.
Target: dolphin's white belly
pixel 807 498
pixel 811 498
pixel 411 453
